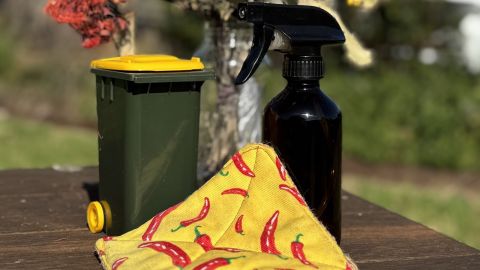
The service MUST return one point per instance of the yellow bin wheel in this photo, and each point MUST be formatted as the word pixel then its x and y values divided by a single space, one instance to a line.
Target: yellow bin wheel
pixel 95 217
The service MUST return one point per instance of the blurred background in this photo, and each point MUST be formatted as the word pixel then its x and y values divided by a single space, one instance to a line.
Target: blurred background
pixel 411 120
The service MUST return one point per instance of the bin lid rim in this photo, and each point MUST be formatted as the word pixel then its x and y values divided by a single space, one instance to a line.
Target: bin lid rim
pixel 148 63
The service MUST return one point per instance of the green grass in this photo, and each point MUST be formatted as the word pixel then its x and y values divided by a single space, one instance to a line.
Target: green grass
pixel 30 144
pixel 443 208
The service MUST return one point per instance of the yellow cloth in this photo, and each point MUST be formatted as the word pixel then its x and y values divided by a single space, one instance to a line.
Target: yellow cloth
pixel 246 217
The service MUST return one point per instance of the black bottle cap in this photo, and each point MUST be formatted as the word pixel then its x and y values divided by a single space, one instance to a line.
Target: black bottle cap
pixel 297 67
pixel 305 29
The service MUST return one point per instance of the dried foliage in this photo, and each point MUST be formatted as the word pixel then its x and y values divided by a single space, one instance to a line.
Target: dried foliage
pixel 356 53
pixel 97 21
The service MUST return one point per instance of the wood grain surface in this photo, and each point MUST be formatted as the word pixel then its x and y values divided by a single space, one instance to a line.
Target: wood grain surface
pixel 42 226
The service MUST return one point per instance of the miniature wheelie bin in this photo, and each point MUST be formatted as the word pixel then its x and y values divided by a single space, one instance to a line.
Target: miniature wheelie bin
pixel 148 116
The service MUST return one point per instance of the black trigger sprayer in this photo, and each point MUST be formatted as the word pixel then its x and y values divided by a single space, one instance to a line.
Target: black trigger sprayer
pixel 301 123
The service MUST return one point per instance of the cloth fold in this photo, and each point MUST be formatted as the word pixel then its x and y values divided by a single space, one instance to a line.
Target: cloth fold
pixel 248 216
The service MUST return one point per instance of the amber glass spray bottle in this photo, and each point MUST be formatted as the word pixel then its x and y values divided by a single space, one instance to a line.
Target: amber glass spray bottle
pixel 301 123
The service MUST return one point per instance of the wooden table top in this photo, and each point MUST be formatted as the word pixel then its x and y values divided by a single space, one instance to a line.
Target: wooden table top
pixel 42 226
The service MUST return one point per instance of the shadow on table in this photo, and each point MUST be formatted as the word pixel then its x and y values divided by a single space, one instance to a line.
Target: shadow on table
pixel 92 191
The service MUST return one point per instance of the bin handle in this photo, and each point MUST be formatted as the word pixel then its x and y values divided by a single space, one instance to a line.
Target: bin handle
pixel 111 90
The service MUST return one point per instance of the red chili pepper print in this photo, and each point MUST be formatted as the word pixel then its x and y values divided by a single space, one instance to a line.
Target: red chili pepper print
pixel 155 223
pixel 107 238
pixel 267 239
pixel 203 240
pixel 238 191
pixel 349 266
pixel 116 264
pixel 179 257
pixel 203 213
pixel 294 193
pixel 241 166
pixel 222 173
pixel 297 251
pixel 239 225
pixel 281 169
pixel 216 263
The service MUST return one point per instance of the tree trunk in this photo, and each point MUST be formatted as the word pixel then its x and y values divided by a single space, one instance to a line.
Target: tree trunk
pixel 221 124
pixel 125 41
pixel 237 118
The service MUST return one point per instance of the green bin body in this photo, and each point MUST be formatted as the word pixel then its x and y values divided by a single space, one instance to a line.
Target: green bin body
pixel 147 142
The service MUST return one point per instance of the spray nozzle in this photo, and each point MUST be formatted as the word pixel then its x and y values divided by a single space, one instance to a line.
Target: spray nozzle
pixel 297 30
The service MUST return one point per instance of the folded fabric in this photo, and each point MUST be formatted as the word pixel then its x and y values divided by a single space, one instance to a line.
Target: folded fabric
pixel 248 216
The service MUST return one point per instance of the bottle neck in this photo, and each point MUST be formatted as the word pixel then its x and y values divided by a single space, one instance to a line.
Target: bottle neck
pixel 303 67
pixel 299 85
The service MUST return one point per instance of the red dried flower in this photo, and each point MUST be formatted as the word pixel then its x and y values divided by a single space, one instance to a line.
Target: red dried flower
pixel 95 20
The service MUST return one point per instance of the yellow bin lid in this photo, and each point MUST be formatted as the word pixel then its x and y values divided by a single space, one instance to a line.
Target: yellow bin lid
pixel 148 63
